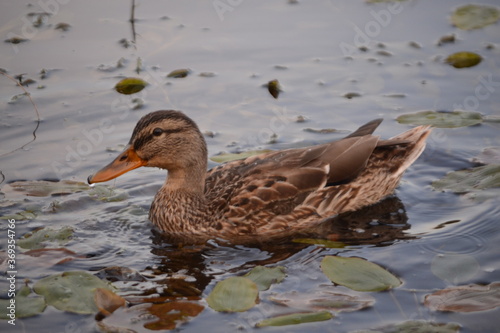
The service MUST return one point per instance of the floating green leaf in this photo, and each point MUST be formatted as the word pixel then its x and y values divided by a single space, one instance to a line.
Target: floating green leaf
pixel 130 85
pixel 264 277
pixel 179 73
pixel 274 88
pixel 416 326
pixel 24 306
pixel 320 242
pixel 473 16
pixel 463 59
pixel 71 291
pixel 480 178
pixel 234 294
pixel 471 298
pixel 358 274
pixel 454 268
pixel 296 318
pixel 222 158
pixel 40 238
pixel 441 119
pixel 44 188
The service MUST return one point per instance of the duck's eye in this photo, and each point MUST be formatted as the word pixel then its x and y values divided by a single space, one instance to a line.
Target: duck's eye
pixel 157 131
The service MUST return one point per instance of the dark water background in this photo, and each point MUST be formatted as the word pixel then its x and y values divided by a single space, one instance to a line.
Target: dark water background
pixel 307 47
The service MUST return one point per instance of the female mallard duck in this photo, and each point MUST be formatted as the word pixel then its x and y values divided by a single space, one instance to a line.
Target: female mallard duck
pixel 264 197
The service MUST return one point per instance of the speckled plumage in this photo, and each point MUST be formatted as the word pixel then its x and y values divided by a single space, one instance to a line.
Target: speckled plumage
pixel 265 197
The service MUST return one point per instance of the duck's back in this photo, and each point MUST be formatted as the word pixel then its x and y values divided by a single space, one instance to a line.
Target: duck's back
pixel 294 188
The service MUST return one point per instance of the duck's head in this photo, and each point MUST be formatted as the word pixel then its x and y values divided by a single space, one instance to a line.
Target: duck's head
pixel 163 139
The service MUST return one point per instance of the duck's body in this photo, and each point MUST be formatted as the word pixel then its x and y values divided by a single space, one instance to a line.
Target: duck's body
pixel 263 197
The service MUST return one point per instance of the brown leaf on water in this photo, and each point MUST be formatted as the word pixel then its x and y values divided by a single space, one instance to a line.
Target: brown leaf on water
pixel 471 298
pixel 107 301
pixel 51 257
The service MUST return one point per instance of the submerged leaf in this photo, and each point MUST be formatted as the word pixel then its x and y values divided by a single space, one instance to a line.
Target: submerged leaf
pixel 171 314
pixel 264 277
pixel 358 274
pixel 44 188
pixel 324 300
pixel 489 155
pixel 71 291
pixel 320 242
pixel 296 318
pixel 474 16
pixel 179 73
pixel 454 268
pixel 471 298
pixel 416 326
pixel 24 306
pixel 39 238
pixel 130 85
pixel 479 178
pixel 222 158
pixel 234 294
pixel 463 59
pixel 442 119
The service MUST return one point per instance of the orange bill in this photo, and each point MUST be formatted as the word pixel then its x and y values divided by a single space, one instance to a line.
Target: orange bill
pixel 126 161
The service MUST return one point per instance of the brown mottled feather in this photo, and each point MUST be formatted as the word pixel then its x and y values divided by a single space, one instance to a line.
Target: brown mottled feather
pixel 272 195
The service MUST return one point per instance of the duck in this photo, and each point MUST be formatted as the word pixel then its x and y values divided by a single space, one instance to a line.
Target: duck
pixel 266 197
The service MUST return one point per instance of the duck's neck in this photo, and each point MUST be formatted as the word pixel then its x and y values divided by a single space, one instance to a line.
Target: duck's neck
pixel 180 205
pixel 186 181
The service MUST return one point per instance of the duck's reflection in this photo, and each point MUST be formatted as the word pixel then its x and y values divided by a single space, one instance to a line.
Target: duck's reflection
pixel 380 225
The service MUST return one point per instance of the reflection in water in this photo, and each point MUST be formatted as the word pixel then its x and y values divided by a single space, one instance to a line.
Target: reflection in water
pixel 181 275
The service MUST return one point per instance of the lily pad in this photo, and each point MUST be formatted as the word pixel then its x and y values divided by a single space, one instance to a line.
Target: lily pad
pixel 71 291
pixel 274 88
pixel 442 119
pixel 463 59
pixel 41 238
pixel 358 274
pixel 474 16
pixel 296 318
pixel 264 277
pixel 44 188
pixel 471 298
pixel 235 294
pixel 468 180
pixel 130 85
pixel 222 158
pixel 24 306
pixel 416 326
pixel 320 242
pixel 179 73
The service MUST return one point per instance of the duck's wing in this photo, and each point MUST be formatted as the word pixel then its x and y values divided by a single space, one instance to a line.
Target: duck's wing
pixel 278 182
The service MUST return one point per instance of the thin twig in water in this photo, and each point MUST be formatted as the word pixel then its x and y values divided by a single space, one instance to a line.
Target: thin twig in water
pixel 36 111
pixel 132 20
